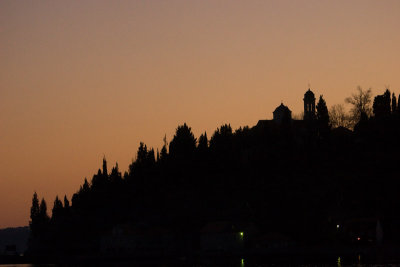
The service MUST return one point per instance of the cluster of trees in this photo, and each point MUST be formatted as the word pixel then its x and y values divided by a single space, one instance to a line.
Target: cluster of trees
pixel 300 182
pixel 39 217
pixel 384 106
pixel 361 105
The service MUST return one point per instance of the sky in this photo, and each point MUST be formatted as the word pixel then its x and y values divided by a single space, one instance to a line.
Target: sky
pixel 80 80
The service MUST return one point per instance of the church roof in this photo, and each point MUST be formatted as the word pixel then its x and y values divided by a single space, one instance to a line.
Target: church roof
pixel 281 108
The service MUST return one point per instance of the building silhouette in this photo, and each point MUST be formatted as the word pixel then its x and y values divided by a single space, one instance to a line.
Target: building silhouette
pixel 283 114
pixel 309 105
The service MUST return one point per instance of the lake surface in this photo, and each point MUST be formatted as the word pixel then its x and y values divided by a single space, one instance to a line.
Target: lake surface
pixel 228 263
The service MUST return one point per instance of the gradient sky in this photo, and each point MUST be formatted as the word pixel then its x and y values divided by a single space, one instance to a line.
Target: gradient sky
pixel 83 79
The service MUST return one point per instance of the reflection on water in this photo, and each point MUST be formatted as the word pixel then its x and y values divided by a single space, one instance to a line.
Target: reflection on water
pixel 339 262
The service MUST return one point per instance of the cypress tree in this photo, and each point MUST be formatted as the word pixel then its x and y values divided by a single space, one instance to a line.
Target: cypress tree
pixel 66 202
pixel 202 146
pixel 44 217
pixel 105 173
pixel 86 186
pixel 203 142
pixel 322 115
pixel 33 224
pixel 57 209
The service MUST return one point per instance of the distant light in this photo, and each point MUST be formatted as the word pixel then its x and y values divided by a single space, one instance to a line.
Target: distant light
pixel 337 226
pixel 358 238
pixel 241 233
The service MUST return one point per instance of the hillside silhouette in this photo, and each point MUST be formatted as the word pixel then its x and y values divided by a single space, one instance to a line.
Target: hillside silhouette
pixel 282 183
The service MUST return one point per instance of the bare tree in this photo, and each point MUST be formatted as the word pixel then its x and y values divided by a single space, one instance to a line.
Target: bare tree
pixel 338 117
pixel 361 102
pixel 298 116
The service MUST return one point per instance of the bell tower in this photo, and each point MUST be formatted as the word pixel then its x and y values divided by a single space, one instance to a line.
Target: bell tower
pixel 309 105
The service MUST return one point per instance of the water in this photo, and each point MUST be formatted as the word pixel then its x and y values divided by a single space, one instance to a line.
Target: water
pixel 241 262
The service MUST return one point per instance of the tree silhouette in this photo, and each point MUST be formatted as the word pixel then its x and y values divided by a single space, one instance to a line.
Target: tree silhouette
pixel 202 147
pixel 361 103
pixel 145 160
pixel 44 217
pixel 67 208
pixel 164 152
pixel 115 175
pixel 86 187
pixel 322 116
pixel 66 202
pixel 34 222
pixel 338 117
pixel 203 142
pixel 250 174
pixel 362 124
pixel 183 143
pixel 151 157
pixel 381 106
pixel 105 172
pixel 222 137
pixel 100 179
pixel 221 144
pixel 142 153
pixel 57 210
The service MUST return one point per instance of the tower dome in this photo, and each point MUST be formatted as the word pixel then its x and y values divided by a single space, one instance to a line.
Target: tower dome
pixel 309 94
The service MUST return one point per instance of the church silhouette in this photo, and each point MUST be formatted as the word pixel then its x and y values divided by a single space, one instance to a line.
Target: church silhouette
pixel 282 114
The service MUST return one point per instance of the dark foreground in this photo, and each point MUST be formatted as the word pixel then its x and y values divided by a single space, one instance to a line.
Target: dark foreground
pixel 282 257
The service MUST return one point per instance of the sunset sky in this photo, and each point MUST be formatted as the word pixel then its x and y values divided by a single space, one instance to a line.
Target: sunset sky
pixel 83 79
